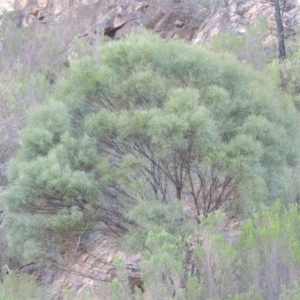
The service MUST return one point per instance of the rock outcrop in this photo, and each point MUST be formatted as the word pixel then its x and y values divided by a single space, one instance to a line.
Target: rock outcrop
pixel 188 20
pixel 170 20
pixel 238 14
pixel 93 268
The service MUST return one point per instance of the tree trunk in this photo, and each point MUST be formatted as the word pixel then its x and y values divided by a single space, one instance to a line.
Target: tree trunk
pixel 280 33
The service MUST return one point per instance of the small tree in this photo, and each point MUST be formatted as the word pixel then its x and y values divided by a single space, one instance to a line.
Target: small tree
pixel 148 120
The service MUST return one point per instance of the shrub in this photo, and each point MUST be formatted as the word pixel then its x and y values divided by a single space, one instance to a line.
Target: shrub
pixel 147 120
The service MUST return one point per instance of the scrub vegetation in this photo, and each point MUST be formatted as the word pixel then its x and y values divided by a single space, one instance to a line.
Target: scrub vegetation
pixel 159 144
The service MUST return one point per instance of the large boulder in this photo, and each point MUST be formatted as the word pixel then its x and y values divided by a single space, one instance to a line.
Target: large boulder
pixel 238 14
pixel 169 20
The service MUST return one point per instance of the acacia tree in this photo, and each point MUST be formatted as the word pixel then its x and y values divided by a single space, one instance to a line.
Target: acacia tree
pixel 147 120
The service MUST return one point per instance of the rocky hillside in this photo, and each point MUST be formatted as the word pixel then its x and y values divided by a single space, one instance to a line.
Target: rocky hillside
pixel 195 21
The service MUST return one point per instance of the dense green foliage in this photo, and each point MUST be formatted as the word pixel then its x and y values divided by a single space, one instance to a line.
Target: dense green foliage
pixel 148 140
pixel 286 76
pixel 261 262
pixel 147 121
